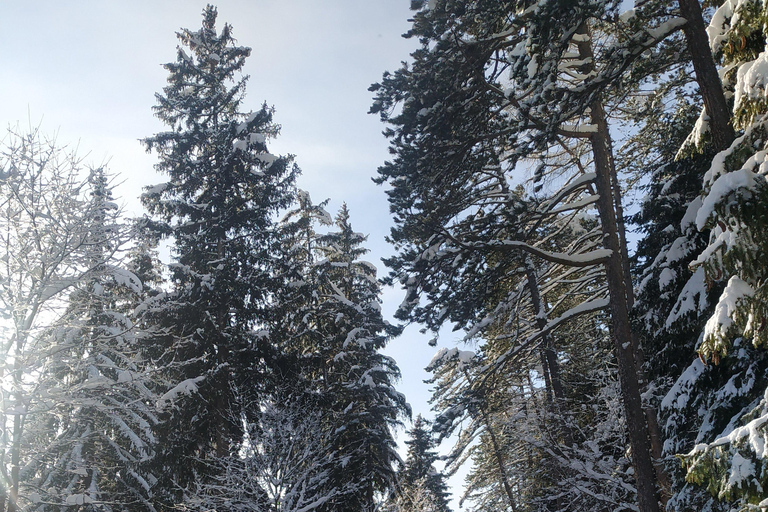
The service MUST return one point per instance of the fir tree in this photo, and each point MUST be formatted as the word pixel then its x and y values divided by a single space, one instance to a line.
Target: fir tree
pixel 359 379
pixel 218 207
pixel 727 456
pixel 421 486
pixel 97 412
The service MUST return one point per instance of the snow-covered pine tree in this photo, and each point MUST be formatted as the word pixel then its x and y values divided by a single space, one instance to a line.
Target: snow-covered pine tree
pixel 358 379
pixel 729 457
pixel 59 244
pixel 420 486
pixel 673 300
pixel 219 208
pixel 94 415
pixel 490 87
pixel 673 303
pixel 291 445
pixel 329 328
pixel 298 325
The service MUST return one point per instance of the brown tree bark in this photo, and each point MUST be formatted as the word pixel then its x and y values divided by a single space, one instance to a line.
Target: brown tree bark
pixel 621 333
pixel 710 87
pixel 656 437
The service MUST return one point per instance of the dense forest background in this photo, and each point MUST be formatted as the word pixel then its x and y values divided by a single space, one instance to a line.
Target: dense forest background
pixel 244 370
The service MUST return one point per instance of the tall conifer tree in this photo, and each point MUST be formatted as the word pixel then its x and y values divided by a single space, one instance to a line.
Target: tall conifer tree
pixel 359 379
pixel 217 207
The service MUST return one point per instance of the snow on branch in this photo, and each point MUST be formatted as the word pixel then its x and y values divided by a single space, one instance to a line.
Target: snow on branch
pixel 586 259
pixel 577 184
pixel 185 387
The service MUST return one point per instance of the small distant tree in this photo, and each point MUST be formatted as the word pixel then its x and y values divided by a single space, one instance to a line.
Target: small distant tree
pixel 421 487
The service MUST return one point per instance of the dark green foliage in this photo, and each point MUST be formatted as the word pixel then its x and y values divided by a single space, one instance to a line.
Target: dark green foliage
pixel 421 487
pixel 218 206
pixel 330 325
pixel 492 87
pixel 359 379
pixel 683 268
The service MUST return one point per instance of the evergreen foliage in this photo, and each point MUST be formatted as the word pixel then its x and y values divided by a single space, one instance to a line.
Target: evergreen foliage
pixel 218 206
pixel 247 374
pixel 98 405
pixel 421 487
pixel 729 457
pixel 514 83
pixel 357 381
pixel 77 402
pixel 492 85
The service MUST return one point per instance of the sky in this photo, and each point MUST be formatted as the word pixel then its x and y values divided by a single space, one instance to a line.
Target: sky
pixel 86 71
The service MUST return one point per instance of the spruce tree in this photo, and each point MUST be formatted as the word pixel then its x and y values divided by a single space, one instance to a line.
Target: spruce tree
pixel 728 383
pixel 94 438
pixel 218 207
pixel 689 298
pixel 330 330
pixel 359 380
pixel 673 300
pixel 421 486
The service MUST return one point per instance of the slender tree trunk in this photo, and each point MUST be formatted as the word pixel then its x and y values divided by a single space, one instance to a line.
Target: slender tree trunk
pixel 710 87
pixel 3 423
pixel 223 413
pixel 657 448
pixel 553 366
pixel 497 454
pixel 548 354
pixel 621 333
pixel 656 437
pixel 547 376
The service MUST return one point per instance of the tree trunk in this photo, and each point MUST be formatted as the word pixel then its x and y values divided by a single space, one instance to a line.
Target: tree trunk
pixel 3 422
pixel 549 355
pixel 621 333
pixel 497 454
pixel 657 447
pixel 547 377
pixel 706 75
pixel 656 438
pixel 223 413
